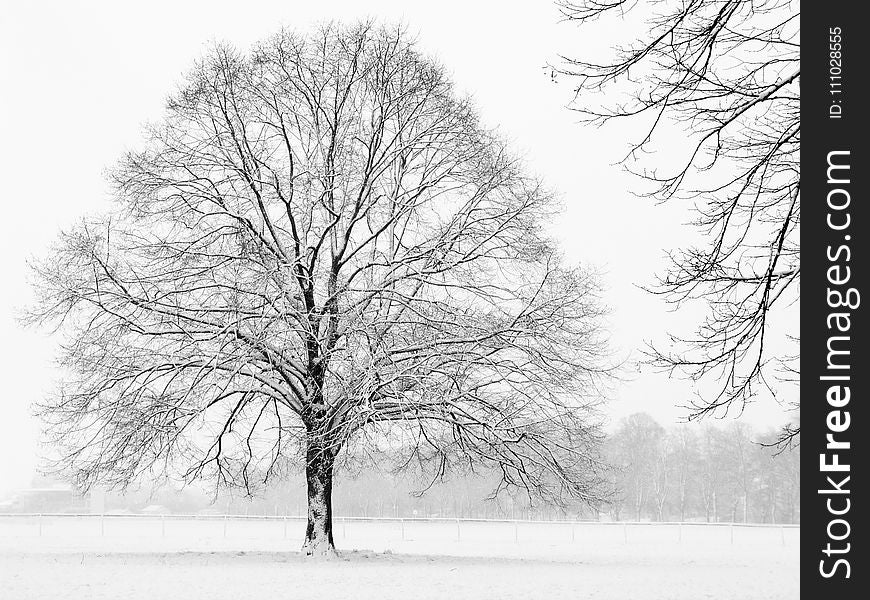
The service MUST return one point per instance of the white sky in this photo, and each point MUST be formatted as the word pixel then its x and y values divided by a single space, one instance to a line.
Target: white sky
pixel 78 80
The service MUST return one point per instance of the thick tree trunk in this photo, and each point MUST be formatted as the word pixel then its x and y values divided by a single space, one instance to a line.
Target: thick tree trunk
pixel 318 533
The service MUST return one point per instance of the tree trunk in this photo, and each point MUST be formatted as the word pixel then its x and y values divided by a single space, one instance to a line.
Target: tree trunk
pixel 715 508
pixel 318 472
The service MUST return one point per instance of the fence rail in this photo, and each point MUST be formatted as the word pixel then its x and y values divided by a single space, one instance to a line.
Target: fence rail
pixel 202 529
pixel 279 518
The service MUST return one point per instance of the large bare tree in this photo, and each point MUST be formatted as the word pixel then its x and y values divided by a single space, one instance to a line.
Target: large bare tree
pixel 712 88
pixel 321 253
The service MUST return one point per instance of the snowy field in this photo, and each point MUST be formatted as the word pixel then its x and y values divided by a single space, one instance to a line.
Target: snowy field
pixel 116 557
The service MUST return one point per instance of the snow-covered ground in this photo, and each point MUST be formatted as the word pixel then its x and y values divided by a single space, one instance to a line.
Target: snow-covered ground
pixel 132 558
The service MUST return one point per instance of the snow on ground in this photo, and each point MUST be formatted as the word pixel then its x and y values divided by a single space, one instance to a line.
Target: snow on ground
pixel 126 558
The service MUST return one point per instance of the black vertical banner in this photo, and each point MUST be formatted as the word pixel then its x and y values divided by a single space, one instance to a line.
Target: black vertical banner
pixel 834 222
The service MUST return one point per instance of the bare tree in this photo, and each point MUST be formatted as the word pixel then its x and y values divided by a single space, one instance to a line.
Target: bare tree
pixel 321 250
pixel 714 462
pixel 743 467
pixel 660 466
pixel 722 77
pixel 636 450
pixel 685 460
pixel 780 483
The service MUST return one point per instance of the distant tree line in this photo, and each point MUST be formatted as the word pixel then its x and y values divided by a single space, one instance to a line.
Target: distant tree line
pixel 714 473
pixel 711 473
pixel 367 494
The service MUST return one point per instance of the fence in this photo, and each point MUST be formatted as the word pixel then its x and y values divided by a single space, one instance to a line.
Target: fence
pixel 257 532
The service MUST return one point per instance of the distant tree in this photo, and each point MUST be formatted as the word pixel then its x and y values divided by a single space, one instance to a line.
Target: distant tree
pixel 613 451
pixel 779 483
pixel 320 250
pixel 741 469
pixel 718 80
pixel 711 482
pixel 661 475
pixel 684 459
pixel 636 449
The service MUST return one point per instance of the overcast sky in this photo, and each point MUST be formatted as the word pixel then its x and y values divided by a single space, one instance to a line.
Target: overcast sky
pixel 79 79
